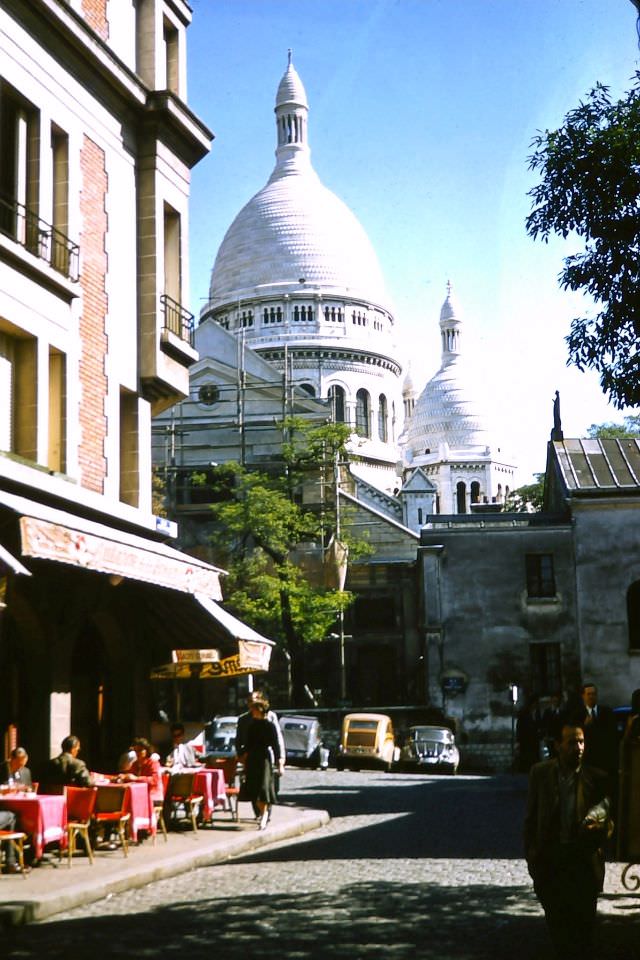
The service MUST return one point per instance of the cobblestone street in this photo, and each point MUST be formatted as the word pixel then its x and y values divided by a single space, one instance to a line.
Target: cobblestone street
pixel 410 866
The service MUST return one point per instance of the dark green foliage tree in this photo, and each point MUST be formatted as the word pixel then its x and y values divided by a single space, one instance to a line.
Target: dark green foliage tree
pixel 527 498
pixel 260 526
pixel 590 188
pixel 630 427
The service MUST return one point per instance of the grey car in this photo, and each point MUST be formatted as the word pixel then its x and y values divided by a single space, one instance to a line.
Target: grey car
pixel 430 749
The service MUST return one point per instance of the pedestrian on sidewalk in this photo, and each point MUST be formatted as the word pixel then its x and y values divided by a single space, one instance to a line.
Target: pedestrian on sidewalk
pixel 262 755
pixel 566 827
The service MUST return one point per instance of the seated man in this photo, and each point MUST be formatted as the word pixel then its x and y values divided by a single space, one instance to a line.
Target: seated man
pixel 8 822
pixel 15 770
pixel 67 769
pixel 182 754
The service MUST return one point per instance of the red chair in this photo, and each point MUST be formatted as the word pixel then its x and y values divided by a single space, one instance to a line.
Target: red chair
pixel 110 811
pixel 159 806
pixel 181 795
pixel 229 767
pixel 81 802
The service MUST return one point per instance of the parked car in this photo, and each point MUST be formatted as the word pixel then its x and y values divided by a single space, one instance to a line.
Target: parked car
pixel 430 749
pixel 303 742
pixel 220 737
pixel 366 740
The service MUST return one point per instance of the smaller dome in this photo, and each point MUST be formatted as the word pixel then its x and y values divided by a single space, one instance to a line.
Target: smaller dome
pixel 408 389
pixel 291 88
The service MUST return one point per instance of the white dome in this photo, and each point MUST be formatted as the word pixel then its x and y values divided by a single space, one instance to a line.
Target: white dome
pixel 445 413
pixel 295 228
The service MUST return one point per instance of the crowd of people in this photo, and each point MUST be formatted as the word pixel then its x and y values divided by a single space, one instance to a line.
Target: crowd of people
pixel 259 747
pixel 569 819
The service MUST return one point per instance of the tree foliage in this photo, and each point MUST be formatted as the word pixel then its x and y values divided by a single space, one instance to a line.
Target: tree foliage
pixel 260 527
pixel 630 427
pixel 528 498
pixel 590 188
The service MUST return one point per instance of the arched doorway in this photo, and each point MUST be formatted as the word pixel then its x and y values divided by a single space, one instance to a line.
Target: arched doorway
pixel 461 497
pixel 90 696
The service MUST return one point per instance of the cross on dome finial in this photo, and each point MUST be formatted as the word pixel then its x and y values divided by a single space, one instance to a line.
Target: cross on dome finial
pixel 448 288
pixel 289 56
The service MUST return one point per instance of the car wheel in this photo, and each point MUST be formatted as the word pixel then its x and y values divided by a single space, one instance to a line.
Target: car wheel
pixel 340 765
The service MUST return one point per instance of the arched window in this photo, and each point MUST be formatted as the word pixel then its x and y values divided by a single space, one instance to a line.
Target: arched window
pixel 296 313
pixel 461 497
pixel 475 492
pixel 308 388
pixel 382 418
pixel 363 406
pixel 633 615
pixel 337 397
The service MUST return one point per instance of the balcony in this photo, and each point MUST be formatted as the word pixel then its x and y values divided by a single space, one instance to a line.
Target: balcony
pixel 39 238
pixel 177 320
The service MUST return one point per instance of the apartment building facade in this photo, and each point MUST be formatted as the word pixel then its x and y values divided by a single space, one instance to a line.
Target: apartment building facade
pixel 96 147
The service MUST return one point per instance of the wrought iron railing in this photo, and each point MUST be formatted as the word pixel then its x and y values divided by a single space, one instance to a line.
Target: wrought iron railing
pixel 40 238
pixel 176 319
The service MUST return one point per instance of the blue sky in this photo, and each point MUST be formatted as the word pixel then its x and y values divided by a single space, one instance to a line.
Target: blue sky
pixel 421 118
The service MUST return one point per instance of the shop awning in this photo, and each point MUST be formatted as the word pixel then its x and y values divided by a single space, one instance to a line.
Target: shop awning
pixel 50 534
pixel 252 656
pixel 8 560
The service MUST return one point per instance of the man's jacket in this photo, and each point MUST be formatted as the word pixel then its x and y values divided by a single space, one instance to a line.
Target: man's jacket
pixel 542 821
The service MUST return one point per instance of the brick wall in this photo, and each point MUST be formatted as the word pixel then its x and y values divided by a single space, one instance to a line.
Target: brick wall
pixel 95 13
pixel 93 339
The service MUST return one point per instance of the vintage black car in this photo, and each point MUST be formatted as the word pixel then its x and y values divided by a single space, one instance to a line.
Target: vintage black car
pixel 429 749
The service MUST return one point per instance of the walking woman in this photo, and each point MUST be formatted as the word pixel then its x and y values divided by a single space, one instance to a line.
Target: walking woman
pixel 262 754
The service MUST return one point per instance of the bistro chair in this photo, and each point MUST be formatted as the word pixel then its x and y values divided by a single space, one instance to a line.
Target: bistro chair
pixel 181 795
pixel 229 767
pixel 16 838
pixel 81 802
pixel 109 811
pixel 159 807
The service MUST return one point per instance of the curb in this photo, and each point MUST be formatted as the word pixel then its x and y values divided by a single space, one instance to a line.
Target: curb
pixel 75 893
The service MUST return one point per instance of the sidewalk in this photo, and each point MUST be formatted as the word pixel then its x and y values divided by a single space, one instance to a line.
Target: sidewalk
pixel 50 889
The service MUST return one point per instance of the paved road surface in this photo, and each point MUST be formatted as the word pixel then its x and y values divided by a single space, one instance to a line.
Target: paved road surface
pixel 409 867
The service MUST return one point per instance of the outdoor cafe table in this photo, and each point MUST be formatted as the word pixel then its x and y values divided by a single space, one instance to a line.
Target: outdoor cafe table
pixel 43 816
pixel 209 783
pixel 138 803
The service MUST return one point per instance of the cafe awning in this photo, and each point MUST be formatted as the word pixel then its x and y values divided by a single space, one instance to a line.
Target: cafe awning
pixel 50 534
pixel 8 560
pixel 251 651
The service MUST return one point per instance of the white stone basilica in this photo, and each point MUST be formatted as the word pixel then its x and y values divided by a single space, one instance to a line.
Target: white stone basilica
pixel 297 284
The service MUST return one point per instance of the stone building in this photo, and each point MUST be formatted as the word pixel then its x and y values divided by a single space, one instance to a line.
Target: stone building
pixel 97 143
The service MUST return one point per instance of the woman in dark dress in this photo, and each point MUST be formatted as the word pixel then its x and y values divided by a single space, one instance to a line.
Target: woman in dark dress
pixel 263 752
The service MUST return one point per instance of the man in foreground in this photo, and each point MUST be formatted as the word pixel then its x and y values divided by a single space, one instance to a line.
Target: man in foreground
pixel 566 826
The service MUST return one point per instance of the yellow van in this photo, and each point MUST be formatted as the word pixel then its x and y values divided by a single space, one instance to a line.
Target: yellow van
pixel 366 740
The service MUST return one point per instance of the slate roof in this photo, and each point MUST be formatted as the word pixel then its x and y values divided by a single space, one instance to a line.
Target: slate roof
pixel 591 465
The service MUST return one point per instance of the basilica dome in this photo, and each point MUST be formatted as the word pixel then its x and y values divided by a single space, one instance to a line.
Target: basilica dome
pixel 295 229
pixel 446 411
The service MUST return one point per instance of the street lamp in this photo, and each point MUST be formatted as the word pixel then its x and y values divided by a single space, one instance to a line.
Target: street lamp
pixel 342 636
pixel 513 688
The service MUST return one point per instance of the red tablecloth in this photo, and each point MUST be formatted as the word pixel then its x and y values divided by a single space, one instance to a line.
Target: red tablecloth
pixel 210 783
pixel 139 804
pixel 43 816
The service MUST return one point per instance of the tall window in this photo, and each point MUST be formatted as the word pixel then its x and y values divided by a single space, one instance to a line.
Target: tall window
pixel 540 575
pixel 129 449
pixel 461 497
pixel 545 664
pixel 172 63
pixel 383 432
pixel 363 420
pixel 172 284
pixel 19 168
pixel 56 459
pixel 337 397
pixel 18 394
pixel 60 209
pixel 475 492
pixel 633 615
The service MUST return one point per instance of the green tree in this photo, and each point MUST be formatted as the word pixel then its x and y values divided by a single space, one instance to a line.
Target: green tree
pixel 630 427
pixel 528 498
pixel 260 526
pixel 590 188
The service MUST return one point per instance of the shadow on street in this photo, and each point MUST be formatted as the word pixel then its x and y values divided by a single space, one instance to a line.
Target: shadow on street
pixel 359 922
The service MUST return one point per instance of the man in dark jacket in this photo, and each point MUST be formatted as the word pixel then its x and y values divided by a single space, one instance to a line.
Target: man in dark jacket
pixel 67 768
pixel 566 825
